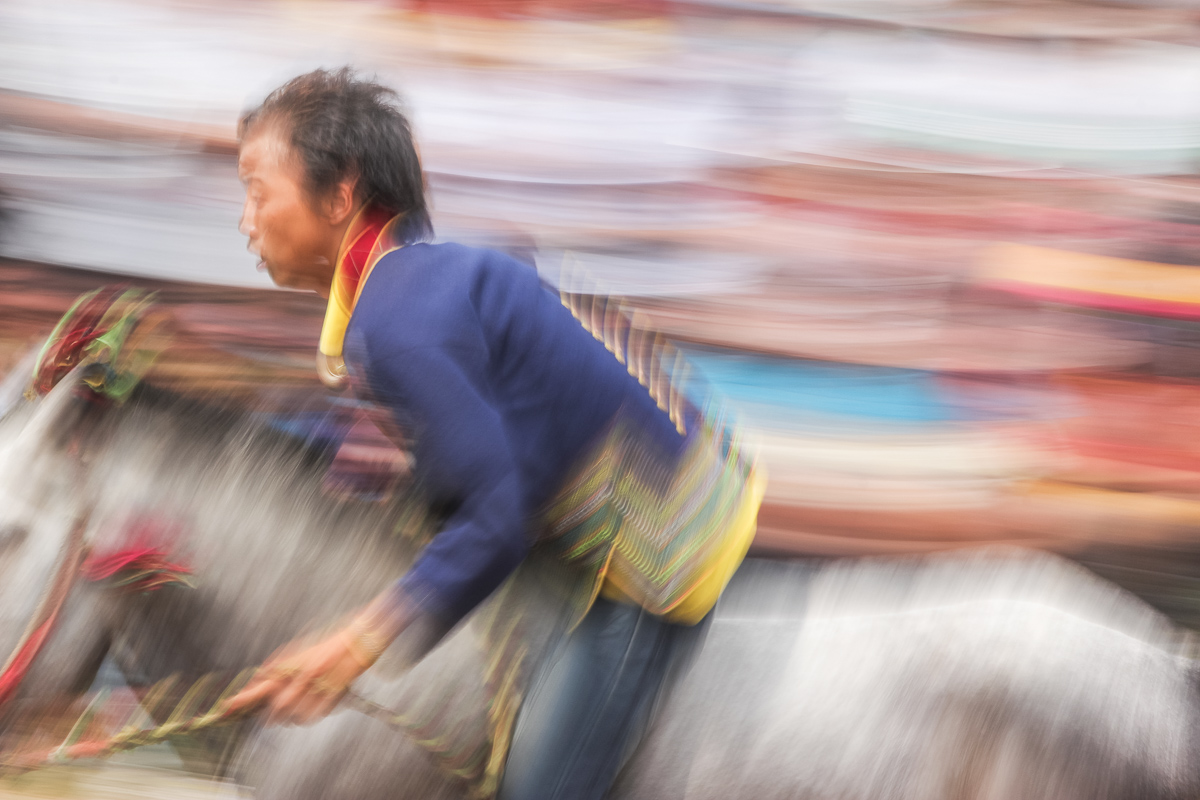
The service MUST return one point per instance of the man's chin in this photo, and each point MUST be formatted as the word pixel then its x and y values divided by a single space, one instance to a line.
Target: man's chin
pixel 285 279
pixel 278 276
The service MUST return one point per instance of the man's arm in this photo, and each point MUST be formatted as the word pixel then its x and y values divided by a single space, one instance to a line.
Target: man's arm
pixel 463 458
pixel 462 454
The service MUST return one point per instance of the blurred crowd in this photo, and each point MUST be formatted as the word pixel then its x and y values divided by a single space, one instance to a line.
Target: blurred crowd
pixel 937 255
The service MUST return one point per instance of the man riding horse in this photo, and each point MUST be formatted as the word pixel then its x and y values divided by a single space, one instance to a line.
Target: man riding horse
pixel 534 420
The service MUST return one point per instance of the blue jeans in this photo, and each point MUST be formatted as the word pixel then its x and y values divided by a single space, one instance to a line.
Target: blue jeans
pixel 588 704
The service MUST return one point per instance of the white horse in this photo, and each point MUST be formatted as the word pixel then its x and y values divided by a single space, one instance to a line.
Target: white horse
pixel 980 675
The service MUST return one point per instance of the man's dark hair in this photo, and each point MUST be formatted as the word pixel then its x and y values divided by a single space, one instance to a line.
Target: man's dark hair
pixel 342 126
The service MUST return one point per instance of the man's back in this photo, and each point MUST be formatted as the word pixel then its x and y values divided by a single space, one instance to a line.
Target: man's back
pixel 555 387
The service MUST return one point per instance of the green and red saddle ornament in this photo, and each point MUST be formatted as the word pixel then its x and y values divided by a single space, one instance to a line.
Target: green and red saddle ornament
pixel 103 333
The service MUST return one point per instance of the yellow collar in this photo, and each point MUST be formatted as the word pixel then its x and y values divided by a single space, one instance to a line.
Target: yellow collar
pixel 373 233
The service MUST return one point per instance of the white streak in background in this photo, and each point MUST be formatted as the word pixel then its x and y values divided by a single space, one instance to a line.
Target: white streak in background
pixel 1114 107
pixel 673 273
pixel 173 60
pixel 879 471
pixel 127 209
pixel 572 129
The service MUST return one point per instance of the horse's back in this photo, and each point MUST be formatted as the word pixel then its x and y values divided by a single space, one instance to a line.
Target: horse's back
pixel 1000 673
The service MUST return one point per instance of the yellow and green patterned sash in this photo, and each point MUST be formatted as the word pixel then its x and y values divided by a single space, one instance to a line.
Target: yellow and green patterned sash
pixel 664 534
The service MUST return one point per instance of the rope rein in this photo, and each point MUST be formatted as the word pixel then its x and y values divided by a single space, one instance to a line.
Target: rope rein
pixel 183 720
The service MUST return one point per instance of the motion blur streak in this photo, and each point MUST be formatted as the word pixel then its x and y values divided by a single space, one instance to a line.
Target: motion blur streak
pixel 940 257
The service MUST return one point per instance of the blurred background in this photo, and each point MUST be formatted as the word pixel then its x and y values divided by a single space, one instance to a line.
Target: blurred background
pixel 939 256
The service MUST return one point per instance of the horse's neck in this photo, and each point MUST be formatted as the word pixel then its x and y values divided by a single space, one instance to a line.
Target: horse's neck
pixel 271 555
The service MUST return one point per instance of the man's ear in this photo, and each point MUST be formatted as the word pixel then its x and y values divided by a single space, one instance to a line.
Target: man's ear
pixel 341 203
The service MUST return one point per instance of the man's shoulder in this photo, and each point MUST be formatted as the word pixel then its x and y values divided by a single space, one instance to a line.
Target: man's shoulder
pixel 448 273
pixel 451 257
pixel 419 273
pixel 423 285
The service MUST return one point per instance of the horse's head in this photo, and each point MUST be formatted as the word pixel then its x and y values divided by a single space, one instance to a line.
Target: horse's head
pixel 42 502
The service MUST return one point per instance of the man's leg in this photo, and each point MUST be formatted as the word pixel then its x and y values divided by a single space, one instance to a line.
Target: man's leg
pixel 591 695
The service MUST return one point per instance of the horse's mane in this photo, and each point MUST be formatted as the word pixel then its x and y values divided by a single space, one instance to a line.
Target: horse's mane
pixel 160 449
pixel 204 421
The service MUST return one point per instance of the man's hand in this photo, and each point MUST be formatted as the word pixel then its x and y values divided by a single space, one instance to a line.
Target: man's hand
pixel 306 679
pixel 302 682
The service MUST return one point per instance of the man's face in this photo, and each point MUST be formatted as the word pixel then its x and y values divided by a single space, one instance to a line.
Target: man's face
pixel 293 240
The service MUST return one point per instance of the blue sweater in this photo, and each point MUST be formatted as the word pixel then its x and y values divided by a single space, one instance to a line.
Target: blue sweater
pixel 501 390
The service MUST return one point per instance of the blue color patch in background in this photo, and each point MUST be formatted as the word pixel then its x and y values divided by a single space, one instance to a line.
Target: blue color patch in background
pixel 823 387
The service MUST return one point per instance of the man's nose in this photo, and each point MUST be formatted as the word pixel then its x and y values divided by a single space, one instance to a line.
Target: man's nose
pixel 246 224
